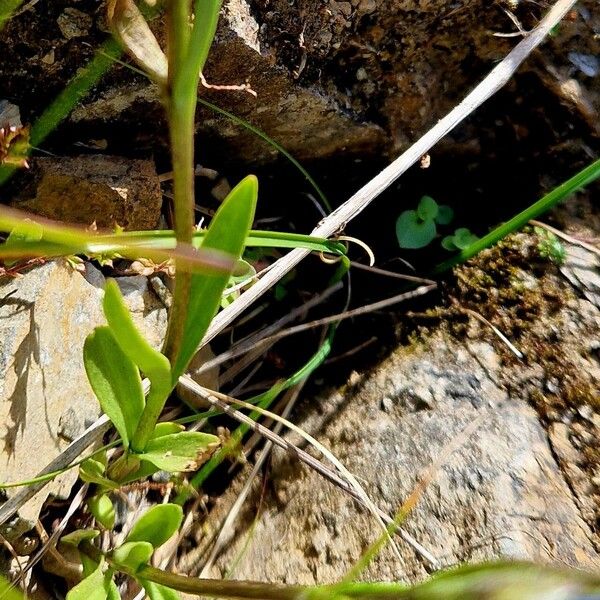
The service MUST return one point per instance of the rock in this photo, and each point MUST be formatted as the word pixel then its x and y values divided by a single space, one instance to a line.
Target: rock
pixel 45 399
pixel 522 485
pixel 106 190
pixel 500 494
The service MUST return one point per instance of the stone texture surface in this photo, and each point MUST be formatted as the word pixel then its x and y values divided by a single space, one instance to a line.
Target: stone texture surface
pixel 106 190
pixel 523 485
pixel 45 399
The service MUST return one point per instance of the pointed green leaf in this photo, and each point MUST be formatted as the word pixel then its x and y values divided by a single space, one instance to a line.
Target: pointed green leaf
pixel 227 233
pixel 103 510
pixel 93 587
pixel 152 363
pixel 155 591
pixel 427 208
pixel 445 214
pixel 132 555
pixel 178 452
pixel 115 380
pixel 157 525
pixel 413 233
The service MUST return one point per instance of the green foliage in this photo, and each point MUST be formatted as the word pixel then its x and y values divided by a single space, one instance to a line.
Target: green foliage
pixel 156 591
pixel 417 228
pixel 130 556
pixel 184 451
pixel 103 510
pixel 93 471
pixel 8 592
pixel 96 586
pixel 157 525
pixel 461 239
pixel 227 233
pixel 115 380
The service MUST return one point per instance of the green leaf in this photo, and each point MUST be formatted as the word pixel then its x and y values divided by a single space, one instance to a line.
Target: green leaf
pixel 427 208
pixel 79 535
pixel 445 214
pixel 157 525
pixel 448 244
pixel 227 233
pixel 132 555
pixel 178 452
pixel 413 233
pixel 167 428
pixel 151 362
pixel 463 238
pixel 103 510
pixel 92 471
pixel 93 587
pixel 8 592
pixel 156 591
pixel 115 380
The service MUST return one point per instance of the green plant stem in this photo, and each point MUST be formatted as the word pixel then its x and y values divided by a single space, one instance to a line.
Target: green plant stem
pixel 581 179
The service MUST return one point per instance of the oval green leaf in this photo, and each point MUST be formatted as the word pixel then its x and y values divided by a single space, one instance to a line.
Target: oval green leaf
pixel 157 525
pixel 412 233
pixel 101 507
pixel 427 208
pixel 93 587
pixel 115 380
pixel 132 555
pixel 179 452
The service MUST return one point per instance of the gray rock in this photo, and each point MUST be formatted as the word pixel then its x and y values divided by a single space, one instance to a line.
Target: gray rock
pixel 45 399
pixel 500 494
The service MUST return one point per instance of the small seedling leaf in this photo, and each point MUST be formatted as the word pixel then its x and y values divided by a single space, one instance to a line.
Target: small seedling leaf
pixel 132 555
pixel 427 208
pixel 115 380
pixel 413 233
pixel 463 238
pixel 156 591
pixel 227 233
pixel 79 535
pixel 162 429
pixel 132 30
pixel 93 587
pixel 445 214
pixel 178 452
pixel 101 507
pixel 92 471
pixel 157 525
pixel 448 244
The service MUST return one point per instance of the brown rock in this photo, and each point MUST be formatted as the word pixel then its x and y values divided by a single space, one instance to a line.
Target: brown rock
pixel 106 190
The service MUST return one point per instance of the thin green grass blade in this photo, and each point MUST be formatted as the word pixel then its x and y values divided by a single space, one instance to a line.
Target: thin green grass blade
pixel 580 180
